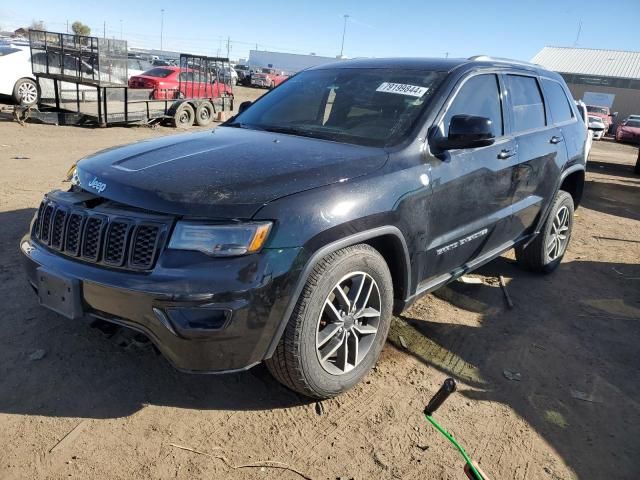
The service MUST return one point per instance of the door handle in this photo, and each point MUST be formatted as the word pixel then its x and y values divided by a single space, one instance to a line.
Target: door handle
pixel 556 139
pixel 506 153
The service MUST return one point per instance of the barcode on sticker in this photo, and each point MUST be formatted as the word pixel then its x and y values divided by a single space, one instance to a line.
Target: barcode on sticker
pixel 402 89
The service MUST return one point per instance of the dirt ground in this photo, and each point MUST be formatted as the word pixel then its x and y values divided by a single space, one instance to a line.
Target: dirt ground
pixel 75 402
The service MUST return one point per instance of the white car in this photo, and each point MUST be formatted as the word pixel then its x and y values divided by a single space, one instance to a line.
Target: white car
pixel 582 109
pixel 597 127
pixel 16 78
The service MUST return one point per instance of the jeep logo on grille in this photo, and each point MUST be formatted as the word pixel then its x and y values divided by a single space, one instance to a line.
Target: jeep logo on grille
pixel 99 186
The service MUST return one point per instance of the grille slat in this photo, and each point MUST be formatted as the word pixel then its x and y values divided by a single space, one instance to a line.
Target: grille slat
pixel 103 238
pixel 145 239
pixel 57 229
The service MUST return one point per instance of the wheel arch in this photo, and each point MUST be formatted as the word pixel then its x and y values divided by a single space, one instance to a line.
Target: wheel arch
pixel 387 240
pixel 34 80
pixel 572 182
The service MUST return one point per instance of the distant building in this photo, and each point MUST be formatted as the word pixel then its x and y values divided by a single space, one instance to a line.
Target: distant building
pixel 287 62
pixel 599 77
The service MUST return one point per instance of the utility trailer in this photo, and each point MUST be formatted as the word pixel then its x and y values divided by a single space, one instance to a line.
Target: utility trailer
pixel 84 81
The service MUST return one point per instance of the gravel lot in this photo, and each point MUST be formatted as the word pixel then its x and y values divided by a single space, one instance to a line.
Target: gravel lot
pixel 77 402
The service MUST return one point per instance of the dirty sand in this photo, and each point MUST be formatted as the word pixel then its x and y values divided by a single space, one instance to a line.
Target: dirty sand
pixel 96 407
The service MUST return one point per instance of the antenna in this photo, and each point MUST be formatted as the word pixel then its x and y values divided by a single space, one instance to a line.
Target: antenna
pixel 575 44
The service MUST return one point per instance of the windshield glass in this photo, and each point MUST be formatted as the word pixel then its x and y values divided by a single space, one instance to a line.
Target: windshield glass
pixel 7 50
pixel 632 123
pixel 364 106
pixel 601 110
pixel 595 119
pixel 158 72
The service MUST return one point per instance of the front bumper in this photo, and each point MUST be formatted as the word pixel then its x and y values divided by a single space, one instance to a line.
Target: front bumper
pixel 253 292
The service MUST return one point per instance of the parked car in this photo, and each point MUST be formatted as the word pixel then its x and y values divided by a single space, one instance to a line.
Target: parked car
pixel 137 66
pixel 629 131
pixel 604 113
pixel 244 74
pixel 16 77
pixel 268 78
pixel 584 116
pixel 291 233
pixel 632 117
pixel 597 127
pixel 174 82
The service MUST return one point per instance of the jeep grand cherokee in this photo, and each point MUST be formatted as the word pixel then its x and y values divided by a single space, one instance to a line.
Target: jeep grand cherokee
pixel 293 232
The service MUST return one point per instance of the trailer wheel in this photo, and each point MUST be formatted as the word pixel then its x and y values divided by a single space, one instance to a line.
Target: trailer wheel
pixel 184 116
pixel 204 114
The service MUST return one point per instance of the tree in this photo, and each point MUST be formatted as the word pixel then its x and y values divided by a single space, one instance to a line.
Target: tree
pixel 80 28
pixel 37 25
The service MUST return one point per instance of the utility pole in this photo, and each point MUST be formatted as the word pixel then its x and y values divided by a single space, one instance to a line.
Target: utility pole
pixel 575 44
pixel 104 29
pixel 120 29
pixel 67 26
pixel 228 46
pixel 344 31
pixel 161 25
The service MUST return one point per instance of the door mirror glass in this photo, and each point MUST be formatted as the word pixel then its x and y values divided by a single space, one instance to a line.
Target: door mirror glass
pixel 244 105
pixel 468 131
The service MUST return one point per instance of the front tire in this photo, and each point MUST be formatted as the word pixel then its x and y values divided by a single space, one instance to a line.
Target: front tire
pixel 546 251
pixel 339 325
pixel 204 114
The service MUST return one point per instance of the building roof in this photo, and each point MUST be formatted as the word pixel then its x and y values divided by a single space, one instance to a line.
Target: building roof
pixel 590 61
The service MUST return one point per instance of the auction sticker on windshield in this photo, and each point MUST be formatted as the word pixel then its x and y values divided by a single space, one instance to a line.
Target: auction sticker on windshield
pixel 402 89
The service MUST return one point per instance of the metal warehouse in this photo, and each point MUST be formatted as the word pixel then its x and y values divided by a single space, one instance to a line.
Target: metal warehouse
pixel 600 77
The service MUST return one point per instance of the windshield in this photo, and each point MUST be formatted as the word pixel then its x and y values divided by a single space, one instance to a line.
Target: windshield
pixel 7 50
pixel 602 110
pixel 373 106
pixel 595 119
pixel 158 72
pixel 632 123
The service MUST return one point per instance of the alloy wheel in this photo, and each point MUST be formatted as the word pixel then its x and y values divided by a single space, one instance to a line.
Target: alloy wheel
pixel 348 323
pixel 559 234
pixel 28 92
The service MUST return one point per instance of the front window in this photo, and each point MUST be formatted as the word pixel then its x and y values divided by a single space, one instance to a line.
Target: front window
pixel 600 110
pixel 365 106
pixel 632 123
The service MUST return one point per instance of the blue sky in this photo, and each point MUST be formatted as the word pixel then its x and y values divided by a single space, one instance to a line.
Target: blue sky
pixel 459 28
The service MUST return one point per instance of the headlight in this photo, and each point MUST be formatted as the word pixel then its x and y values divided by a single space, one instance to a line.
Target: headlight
pixel 72 175
pixel 220 240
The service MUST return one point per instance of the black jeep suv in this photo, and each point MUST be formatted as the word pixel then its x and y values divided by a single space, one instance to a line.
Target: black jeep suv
pixel 291 233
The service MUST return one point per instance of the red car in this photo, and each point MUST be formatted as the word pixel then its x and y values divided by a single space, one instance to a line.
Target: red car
pixel 174 82
pixel 267 77
pixel 629 131
pixel 603 112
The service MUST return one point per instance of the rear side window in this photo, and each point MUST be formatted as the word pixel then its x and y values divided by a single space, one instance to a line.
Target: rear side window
pixel 526 101
pixel 557 101
pixel 479 96
pixel 159 72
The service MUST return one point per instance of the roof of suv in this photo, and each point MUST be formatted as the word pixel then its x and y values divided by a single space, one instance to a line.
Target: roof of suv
pixel 437 64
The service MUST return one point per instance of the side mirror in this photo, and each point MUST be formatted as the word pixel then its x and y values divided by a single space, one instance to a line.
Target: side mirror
pixel 468 131
pixel 614 114
pixel 243 106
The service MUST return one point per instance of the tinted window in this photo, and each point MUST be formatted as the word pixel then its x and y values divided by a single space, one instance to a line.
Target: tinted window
pixel 632 123
pixel 528 108
pixel 602 110
pixel 557 101
pixel 7 50
pixel 365 106
pixel 158 72
pixel 479 96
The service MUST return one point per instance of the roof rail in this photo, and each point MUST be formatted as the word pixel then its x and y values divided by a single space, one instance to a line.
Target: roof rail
pixel 488 58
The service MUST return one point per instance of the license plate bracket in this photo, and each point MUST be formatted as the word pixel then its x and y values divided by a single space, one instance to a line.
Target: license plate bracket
pixel 59 293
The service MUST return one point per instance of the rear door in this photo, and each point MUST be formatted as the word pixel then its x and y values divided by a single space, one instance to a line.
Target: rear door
pixel 541 151
pixel 471 202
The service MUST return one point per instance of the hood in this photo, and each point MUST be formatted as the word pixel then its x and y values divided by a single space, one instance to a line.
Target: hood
pixel 224 173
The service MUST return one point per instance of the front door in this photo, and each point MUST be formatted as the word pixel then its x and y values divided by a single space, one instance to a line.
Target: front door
pixel 472 188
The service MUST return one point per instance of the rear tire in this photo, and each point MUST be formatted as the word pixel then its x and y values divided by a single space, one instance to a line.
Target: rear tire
pixel 184 116
pixel 303 360
pixel 25 92
pixel 204 114
pixel 546 251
